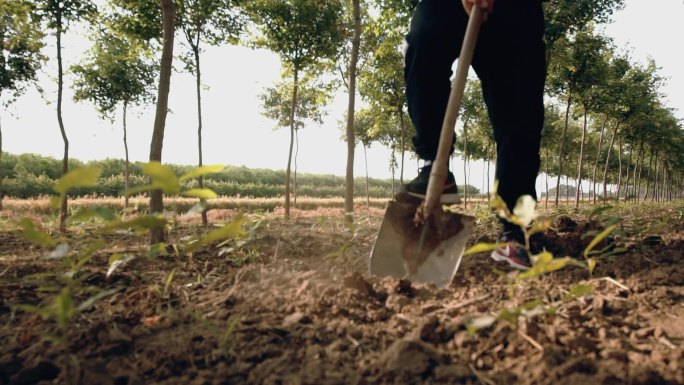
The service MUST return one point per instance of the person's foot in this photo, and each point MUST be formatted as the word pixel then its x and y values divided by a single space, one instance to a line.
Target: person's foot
pixel 418 186
pixel 512 252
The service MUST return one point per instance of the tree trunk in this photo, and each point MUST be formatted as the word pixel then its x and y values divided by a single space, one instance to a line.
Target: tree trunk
pixel 294 182
pixel 2 194
pixel 637 170
pixel 637 180
pixel 126 162
pixel 365 158
pixel 295 85
pixel 546 172
pixel 403 145
pixel 605 169
pixel 198 88
pixel 648 176
pixel 489 147
pixel 629 175
pixel 60 90
pixel 596 162
pixel 351 140
pixel 579 160
pixel 562 145
pixel 655 177
pixel 465 165
pixel 168 9
pixel 619 181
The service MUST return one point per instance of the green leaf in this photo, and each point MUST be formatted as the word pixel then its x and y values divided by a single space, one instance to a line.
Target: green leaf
pixel 543 267
pixel 168 280
pixel 579 291
pixel 29 232
pixel 598 239
pixel 591 265
pixel 156 250
pixel 85 305
pixel 118 260
pixel 80 177
pixel 203 193
pixel 599 210
pixel 230 230
pixel 200 171
pixel 97 212
pixel 163 177
pixel 64 308
pixel 481 248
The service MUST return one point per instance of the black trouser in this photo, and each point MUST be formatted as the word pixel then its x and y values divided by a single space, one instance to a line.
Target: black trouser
pixel 510 61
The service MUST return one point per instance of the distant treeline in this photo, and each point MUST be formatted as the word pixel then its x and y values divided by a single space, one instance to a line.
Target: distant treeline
pixel 31 175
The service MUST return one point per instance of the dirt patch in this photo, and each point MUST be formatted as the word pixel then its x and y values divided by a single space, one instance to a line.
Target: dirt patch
pixel 291 303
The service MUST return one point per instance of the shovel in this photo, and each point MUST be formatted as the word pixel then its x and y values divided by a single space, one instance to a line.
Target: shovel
pixel 419 240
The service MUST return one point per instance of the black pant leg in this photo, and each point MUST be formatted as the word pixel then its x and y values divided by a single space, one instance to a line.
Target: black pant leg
pixel 510 61
pixel 434 41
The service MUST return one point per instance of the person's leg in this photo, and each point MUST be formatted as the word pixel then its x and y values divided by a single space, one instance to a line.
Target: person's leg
pixel 433 43
pixel 510 61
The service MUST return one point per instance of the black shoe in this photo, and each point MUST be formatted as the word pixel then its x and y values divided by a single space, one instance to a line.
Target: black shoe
pixel 418 186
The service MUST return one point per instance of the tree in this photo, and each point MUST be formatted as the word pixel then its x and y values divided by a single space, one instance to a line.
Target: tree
pixel 58 15
pixel 591 62
pixel 168 9
pixel 212 22
pixel 564 17
pixel 116 73
pixel 20 43
pixel 382 79
pixel 311 97
pixel 306 36
pixel 351 89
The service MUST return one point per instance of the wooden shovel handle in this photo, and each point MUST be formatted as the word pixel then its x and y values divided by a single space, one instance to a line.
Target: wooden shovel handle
pixel 440 164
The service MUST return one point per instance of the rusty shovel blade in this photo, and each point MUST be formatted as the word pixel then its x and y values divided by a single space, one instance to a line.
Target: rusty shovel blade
pixel 400 252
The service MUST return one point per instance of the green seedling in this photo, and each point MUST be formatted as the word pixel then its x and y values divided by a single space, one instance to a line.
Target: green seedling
pixel 163 178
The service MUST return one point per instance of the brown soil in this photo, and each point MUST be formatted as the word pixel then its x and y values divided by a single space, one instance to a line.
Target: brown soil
pixel 292 303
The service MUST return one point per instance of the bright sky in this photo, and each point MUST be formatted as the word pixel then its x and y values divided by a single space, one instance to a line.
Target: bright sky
pixel 235 133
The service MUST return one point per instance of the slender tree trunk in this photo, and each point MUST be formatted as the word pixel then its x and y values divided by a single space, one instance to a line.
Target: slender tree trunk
pixel 605 169
pixel 637 170
pixel 2 194
pixel 126 161
pixel 656 164
pixel 619 181
pixel 403 144
pixel 351 140
pixel 596 162
pixel 365 158
pixel 546 171
pixel 647 191
pixel 465 165
pixel 168 27
pixel 198 90
pixel 629 175
pixel 489 148
pixel 580 159
pixel 293 105
pixel 294 181
pixel 60 90
pixel 641 169
pixel 562 145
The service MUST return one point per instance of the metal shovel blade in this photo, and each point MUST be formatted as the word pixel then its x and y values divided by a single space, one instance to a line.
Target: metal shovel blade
pixel 399 251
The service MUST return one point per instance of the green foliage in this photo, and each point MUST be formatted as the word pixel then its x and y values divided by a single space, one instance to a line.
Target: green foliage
pixel 116 72
pixel 304 33
pixel 312 97
pixel 20 46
